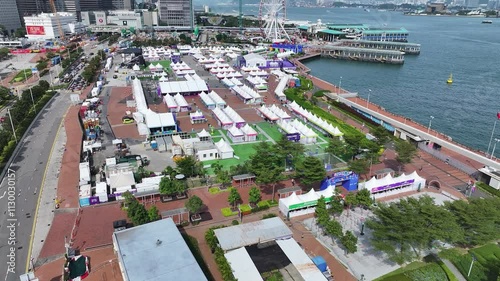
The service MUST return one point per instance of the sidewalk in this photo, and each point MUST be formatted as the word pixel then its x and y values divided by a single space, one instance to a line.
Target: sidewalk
pixel 454 270
pixel 45 215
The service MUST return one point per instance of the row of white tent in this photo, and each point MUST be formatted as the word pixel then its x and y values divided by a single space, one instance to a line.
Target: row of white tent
pixel 245 133
pixel 329 128
pixel 143 112
pixel 155 67
pixel 250 68
pixel 231 82
pixel 212 100
pixel 180 66
pixel 248 94
pixel 176 103
pixel 215 65
pixel 389 182
pixel 279 91
pixel 275 113
pixel 258 73
pixel 229 75
pixel 295 205
pixel 307 135
pixel 191 77
pixel 256 80
pixel 227 117
pixel 216 70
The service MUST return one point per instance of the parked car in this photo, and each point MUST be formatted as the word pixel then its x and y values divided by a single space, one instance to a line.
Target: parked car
pixel 127 120
pixel 115 76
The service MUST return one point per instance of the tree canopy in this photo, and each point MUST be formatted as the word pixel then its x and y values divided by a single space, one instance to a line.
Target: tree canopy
pixel 358 166
pixel 194 204
pixel 171 187
pixel 254 195
pixel 311 170
pixel 406 151
pixel 402 229
pixel 234 196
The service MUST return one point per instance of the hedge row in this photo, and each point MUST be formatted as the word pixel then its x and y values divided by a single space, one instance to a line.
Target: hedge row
pixel 488 188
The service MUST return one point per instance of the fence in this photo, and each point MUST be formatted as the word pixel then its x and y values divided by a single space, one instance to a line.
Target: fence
pixel 453 162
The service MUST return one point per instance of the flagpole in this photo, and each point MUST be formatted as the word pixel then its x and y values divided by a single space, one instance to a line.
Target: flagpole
pixel 491 138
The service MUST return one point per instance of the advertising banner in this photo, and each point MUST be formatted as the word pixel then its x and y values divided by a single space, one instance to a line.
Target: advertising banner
pixel 35 30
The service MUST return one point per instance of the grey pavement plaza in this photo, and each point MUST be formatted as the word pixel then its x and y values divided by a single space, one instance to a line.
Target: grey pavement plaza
pixel 367 261
pixel 28 170
pixel 158 160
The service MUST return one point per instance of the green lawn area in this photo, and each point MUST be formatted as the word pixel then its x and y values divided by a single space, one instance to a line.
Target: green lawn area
pixel 164 63
pixel 416 271
pixel 227 212
pixel 243 151
pixel 271 130
pixel 22 75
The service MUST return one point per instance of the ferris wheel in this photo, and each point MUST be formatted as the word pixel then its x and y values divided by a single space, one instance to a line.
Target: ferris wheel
pixel 272 17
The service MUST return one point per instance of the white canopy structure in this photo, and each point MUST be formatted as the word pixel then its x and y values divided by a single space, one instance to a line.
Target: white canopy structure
pixel 170 102
pixel 197 117
pixel 307 135
pixel 279 91
pixel 249 132
pixel 236 82
pixel 203 134
pixel 235 117
pixel 280 113
pixel 300 260
pixel 207 101
pixel 136 67
pixel 225 150
pixel 267 114
pixel 235 134
pixel 242 265
pixel 314 120
pixel 183 87
pixel 247 94
pixel 298 205
pixel 228 82
pixel 287 127
pixel 390 185
pixel 222 119
pixel 182 103
pixel 219 102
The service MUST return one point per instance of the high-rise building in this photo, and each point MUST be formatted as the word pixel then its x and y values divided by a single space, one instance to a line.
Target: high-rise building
pixel 176 13
pixel 46 26
pixel 32 7
pixel 92 5
pixel 9 16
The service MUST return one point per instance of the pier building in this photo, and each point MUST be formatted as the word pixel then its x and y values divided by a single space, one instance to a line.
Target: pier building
pixel 361 54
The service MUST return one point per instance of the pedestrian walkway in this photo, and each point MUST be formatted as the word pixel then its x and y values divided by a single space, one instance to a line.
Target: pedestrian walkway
pixel 265 134
pixel 454 270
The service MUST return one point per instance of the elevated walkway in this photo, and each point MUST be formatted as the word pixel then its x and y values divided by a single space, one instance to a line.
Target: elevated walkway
pixel 399 122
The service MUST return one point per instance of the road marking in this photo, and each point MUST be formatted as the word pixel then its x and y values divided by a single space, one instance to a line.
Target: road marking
pixel 35 218
pixel 3 195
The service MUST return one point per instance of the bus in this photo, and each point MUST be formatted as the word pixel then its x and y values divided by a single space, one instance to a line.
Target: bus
pixel 14 44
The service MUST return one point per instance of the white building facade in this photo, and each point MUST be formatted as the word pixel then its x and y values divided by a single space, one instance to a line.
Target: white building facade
pixel 45 26
pixel 176 13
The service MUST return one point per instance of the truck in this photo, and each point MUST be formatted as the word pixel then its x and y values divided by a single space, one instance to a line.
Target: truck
pixel 320 263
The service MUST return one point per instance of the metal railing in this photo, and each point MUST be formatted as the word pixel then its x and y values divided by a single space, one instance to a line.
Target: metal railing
pixel 449 160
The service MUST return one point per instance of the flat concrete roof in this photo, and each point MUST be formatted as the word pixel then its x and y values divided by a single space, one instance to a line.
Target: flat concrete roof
pixel 242 265
pixel 156 252
pixel 303 263
pixel 252 233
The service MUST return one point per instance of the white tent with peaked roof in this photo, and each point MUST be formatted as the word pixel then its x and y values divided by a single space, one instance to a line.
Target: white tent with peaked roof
pixel 225 150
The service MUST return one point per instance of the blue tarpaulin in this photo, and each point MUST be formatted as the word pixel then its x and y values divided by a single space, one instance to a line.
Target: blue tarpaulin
pixel 320 263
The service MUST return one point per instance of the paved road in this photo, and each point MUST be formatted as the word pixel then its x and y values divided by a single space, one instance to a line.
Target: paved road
pixel 454 270
pixel 22 187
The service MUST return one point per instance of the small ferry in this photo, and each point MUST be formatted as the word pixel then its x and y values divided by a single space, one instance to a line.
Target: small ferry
pixel 487 21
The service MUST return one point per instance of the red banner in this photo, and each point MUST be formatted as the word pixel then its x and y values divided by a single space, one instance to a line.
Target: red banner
pixel 35 30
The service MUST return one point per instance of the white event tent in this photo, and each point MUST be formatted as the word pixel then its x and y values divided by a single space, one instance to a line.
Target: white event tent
pixel 390 185
pixel 207 101
pixel 297 205
pixel 225 150
pixel 307 135
pixel 318 122
pixel 183 87
pixel 222 119
pixel 219 102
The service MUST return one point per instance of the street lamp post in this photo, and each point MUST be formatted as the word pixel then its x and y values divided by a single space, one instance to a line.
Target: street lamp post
pixel 494 147
pixel 340 85
pixel 471 264
pixel 430 124
pixel 12 124
pixel 31 91
pixel 368 100
pixel 491 138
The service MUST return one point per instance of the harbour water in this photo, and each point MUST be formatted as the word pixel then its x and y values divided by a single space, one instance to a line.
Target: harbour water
pixel 465 110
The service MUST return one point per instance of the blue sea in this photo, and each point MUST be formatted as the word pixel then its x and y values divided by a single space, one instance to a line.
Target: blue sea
pixel 465 110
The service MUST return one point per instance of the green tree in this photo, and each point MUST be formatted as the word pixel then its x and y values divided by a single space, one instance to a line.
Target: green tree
pixel 406 151
pixel 289 150
pixel 350 200
pixel 187 166
pixel 336 207
pixel 234 196
pixel 337 147
pixel 363 197
pixel 136 212
pixel 194 204
pixel 479 219
pixel 349 241
pixel 169 187
pixel 311 170
pixel 334 228
pixel 381 134
pixel 358 166
pixel 41 65
pixel 20 32
pixel 170 171
pixel 223 178
pixel 153 214
pixel 265 163
pixel 321 213
pixel 403 229
pixel 4 53
pixel 254 195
